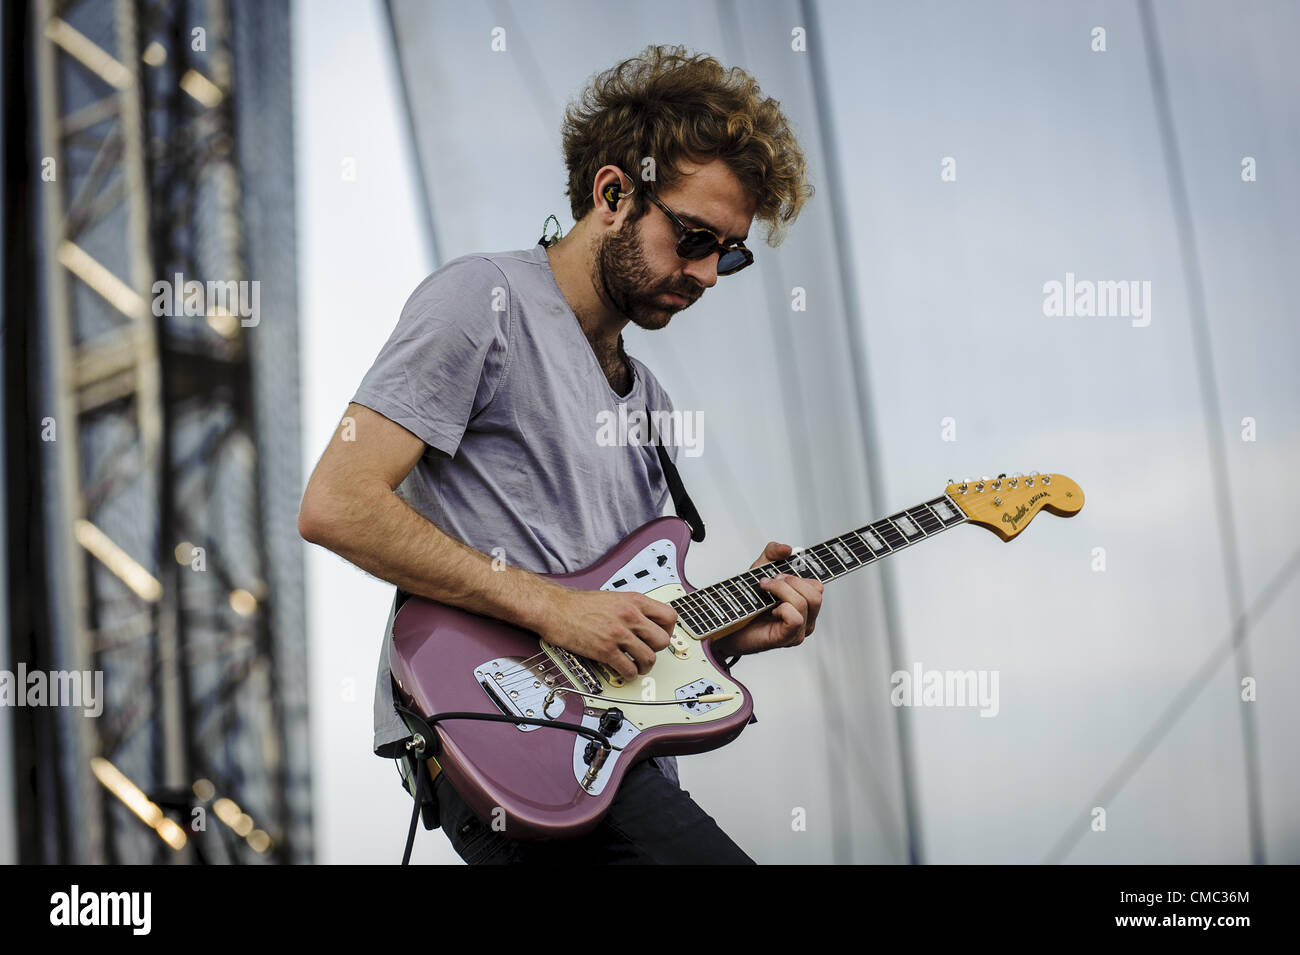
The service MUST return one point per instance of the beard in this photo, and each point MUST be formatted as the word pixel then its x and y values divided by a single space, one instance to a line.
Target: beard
pixel 621 271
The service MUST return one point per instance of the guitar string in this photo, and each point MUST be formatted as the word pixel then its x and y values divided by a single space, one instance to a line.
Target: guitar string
pixel 524 671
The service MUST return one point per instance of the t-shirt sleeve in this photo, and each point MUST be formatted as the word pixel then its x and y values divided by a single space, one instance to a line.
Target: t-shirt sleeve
pixel 447 355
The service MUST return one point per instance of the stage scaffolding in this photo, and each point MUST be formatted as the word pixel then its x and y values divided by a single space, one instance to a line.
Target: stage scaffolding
pixel 162 432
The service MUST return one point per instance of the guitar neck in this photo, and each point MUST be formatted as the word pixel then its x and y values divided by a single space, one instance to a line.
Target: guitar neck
pixel 722 607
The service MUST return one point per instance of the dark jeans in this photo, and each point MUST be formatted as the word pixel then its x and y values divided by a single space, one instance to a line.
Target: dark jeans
pixel 651 820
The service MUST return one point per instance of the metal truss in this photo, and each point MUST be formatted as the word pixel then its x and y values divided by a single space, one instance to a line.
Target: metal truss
pixel 159 560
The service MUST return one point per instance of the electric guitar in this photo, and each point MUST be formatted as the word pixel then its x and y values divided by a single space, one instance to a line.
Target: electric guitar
pixel 561 731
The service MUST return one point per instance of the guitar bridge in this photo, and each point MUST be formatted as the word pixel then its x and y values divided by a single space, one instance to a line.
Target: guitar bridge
pixel 518 688
pixel 582 671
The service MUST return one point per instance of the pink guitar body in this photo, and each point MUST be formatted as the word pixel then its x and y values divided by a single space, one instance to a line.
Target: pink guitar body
pixel 448 660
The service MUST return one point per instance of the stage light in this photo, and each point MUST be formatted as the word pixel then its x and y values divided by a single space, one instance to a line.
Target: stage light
pixel 131 796
pixel 122 564
pixel 201 88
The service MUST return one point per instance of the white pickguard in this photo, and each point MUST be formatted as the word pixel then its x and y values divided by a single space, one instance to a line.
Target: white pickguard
pixel 681 671
pixel 680 667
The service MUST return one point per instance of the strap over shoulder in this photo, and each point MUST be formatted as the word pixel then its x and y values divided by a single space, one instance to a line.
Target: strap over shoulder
pixel 682 502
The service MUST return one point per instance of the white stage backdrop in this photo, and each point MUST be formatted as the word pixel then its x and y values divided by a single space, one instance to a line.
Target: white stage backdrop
pixel 965 156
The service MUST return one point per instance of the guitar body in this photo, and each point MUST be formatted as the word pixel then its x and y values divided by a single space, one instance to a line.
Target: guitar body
pixel 449 660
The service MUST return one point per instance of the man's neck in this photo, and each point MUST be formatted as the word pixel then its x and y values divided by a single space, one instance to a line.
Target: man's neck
pixel 570 260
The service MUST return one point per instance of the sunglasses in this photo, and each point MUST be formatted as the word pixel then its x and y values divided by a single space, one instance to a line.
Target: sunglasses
pixel 699 243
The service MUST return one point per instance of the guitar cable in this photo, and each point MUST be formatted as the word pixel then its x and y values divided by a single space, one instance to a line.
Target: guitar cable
pixel 423 745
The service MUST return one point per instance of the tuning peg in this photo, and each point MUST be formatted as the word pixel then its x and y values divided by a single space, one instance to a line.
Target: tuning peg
pixel 1001 476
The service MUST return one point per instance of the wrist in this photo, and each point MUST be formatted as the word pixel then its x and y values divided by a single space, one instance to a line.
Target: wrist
pixel 539 608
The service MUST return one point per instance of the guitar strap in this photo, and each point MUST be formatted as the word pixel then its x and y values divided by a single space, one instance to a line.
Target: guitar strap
pixel 682 502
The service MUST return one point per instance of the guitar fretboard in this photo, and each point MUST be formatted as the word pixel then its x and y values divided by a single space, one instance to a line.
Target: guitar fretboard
pixel 738 598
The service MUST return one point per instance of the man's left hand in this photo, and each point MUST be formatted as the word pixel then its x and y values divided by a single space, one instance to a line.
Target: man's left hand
pixel 787 624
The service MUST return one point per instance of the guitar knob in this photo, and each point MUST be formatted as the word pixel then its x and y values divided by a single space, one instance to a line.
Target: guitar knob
pixel 611 721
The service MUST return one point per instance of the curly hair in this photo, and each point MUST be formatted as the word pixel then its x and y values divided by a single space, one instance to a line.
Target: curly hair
pixel 667 106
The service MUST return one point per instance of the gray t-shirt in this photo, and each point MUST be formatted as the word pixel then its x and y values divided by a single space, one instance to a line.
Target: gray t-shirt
pixel 490 368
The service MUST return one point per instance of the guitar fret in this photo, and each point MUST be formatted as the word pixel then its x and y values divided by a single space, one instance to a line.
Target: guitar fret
pixel 844 555
pixel 924 519
pixel 701 613
pixel 890 534
pixel 721 589
pixel 762 599
pixel 931 522
pixel 852 543
pixel 858 547
pixel 743 594
pixel 904 523
pixel 806 560
pixel 826 555
pixel 687 612
pixel 717 611
pixel 707 611
pixel 874 542
pixel 948 512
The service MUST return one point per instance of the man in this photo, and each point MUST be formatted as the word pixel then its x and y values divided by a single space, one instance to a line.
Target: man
pixel 481 413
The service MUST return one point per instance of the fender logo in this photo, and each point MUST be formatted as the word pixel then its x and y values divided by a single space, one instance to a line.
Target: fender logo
pixel 1023 509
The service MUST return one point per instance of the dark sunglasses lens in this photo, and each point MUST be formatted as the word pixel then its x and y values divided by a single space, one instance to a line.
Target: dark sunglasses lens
pixel 731 261
pixel 696 245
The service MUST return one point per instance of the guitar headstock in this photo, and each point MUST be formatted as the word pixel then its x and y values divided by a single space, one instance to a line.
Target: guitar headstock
pixel 1005 505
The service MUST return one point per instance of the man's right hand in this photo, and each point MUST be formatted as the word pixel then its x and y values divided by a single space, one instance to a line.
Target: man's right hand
pixel 622 631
